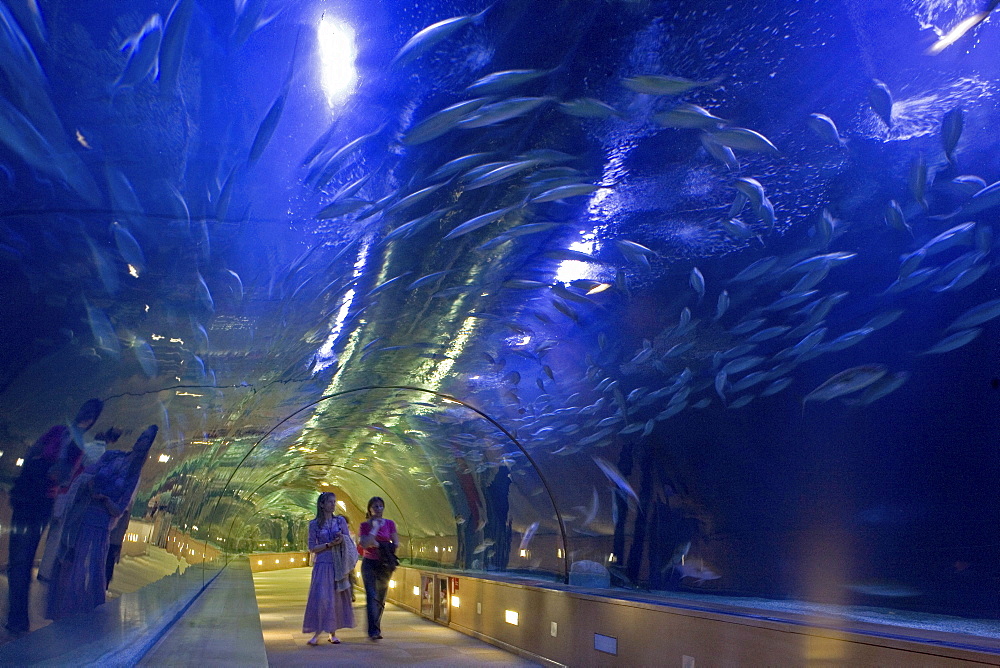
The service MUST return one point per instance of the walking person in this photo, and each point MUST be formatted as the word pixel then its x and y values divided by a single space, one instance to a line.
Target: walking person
pixel 328 607
pixel 378 537
pixel 49 466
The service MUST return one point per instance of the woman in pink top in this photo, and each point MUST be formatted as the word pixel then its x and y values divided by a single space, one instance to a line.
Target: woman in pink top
pixel 376 529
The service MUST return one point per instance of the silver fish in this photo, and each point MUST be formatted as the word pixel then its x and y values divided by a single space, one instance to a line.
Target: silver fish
pixel 442 121
pixel 588 107
pixel 655 84
pixel 432 34
pixel 697 282
pixel 175 31
pixel 505 110
pixel 880 100
pixel 143 51
pixel 744 139
pixel 686 115
pixel 951 131
pixel 615 476
pixel 846 382
pixel 976 315
pixel 494 83
pixel 956 340
pixel 477 222
pixel 825 129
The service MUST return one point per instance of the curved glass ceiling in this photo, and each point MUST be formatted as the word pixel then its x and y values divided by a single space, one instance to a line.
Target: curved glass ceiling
pixel 702 292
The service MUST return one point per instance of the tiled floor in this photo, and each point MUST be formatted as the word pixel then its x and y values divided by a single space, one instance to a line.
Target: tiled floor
pixel 409 640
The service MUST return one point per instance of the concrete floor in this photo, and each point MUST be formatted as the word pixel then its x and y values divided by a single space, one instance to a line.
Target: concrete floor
pixel 409 640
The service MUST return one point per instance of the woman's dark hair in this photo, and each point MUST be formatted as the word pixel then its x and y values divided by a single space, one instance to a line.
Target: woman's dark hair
pixel 368 513
pixel 319 504
pixel 90 411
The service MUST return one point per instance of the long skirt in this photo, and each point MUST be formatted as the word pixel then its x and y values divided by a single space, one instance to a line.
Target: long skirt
pixel 326 608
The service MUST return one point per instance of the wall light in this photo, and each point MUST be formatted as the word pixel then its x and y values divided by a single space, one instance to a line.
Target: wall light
pixel 392 584
pixel 416 590
pixel 510 616
pixel 524 553
pixel 292 559
pixel 559 552
pixel 455 602
pixel 260 562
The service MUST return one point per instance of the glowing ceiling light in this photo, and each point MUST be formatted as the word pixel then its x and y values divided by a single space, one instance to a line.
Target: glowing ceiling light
pixel 133 272
pixel 337 54
pixel 164 458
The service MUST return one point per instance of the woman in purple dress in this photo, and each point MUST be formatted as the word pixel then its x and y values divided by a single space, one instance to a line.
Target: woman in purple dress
pixel 328 607
pixel 79 577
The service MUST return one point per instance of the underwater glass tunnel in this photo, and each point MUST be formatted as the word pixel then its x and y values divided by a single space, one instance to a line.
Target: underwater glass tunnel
pixel 703 293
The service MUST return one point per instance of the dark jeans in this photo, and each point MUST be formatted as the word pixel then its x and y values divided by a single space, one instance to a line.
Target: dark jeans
pixel 376 589
pixel 25 532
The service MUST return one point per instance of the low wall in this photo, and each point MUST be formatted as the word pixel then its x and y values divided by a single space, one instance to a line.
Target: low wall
pixel 569 627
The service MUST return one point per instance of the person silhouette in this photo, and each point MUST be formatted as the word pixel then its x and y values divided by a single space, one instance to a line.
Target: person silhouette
pixel 79 578
pixel 49 465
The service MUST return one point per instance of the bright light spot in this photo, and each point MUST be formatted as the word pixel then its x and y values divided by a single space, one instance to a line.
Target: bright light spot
pixel 147 308
pixel 524 553
pixel 133 272
pixel 337 54
pixel 342 505
pixel 189 394
pixel 510 616
pixel 19 462
pixel 156 337
pixel 164 458
pixel 392 584
pixel 600 287
pixel 416 590
pixel 572 270
pixel 260 563
pixel 455 602
pixel 180 341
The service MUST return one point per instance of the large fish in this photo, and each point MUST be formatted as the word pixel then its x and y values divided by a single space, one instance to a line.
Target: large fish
pixel 494 83
pixel 656 84
pixel 441 122
pixel 615 476
pixel 880 100
pixel 744 139
pixel 432 34
pixel 976 315
pixel 143 53
pixel 846 382
pixel 951 132
pixel 172 45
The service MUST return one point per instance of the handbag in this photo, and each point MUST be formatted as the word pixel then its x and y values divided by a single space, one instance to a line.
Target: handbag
pixel 387 559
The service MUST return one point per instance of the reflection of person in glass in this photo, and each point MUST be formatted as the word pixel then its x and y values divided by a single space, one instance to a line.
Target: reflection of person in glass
pixel 49 466
pixel 79 579
pixel 374 531
pixel 328 607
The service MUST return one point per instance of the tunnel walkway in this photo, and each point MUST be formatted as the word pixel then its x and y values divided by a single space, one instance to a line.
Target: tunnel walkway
pixel 410 640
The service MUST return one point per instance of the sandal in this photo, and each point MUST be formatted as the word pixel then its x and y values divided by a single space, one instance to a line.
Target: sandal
pixel 335 641
pixel 312 642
